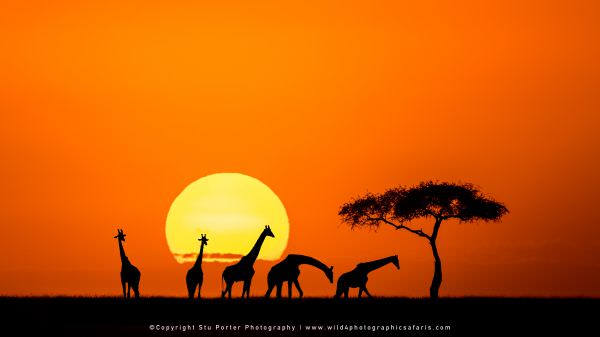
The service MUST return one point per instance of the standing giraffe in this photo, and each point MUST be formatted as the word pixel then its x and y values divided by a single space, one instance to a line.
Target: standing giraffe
pixel 130 275
pixel 357 278
pixel 289 270
pixel 244 270
pixel 195 276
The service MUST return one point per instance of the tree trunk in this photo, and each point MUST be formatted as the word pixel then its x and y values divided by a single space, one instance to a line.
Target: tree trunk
pixel 436 282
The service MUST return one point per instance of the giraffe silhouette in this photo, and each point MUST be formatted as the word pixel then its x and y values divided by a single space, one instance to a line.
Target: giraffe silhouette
pixel 289 270
pixel 357 277
pixel 194 276
pixel 244 269
pixel 130 275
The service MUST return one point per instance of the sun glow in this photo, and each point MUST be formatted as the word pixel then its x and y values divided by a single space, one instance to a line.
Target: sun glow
pixel 232 209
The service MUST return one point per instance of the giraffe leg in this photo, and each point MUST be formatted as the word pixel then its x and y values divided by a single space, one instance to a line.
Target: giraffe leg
pixel 247 285
pixel 279 286
pixel 360 291
pixel 128 290
pixel 228 289
pixel 297 284
pixel 191 290
pixel 366 291
pixel 346 292
pixel 289 284
pixel 124 290
pixel 135 283
pixel 269 290
pixel 224 291
pixel 338 291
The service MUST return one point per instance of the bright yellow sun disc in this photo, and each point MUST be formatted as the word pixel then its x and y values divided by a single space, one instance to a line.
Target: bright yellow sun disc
pixel 232 209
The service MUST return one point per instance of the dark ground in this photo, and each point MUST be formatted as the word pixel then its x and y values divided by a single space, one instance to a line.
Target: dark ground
pixel 60 316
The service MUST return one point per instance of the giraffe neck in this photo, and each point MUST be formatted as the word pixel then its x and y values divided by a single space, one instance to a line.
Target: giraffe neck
pixel 251 257
pixel 199 258
pixel 124 258
pixel 303 259
pixel 368 267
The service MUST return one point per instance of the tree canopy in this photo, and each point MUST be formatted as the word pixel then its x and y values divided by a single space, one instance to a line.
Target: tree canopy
pixel 438 200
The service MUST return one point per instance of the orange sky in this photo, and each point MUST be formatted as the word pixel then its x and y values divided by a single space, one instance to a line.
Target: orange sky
pixel 107 111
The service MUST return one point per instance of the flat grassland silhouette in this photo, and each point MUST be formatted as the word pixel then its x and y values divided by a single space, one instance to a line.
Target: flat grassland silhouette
pixel 103 316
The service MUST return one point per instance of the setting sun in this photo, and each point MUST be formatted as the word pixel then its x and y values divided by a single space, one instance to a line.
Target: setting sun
pixel 232 209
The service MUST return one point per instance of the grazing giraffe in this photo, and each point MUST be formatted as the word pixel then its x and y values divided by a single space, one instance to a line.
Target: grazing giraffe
pixel 357 278
pixel 244 270
pixel 130 275
pixel 289 270
pixel 194 276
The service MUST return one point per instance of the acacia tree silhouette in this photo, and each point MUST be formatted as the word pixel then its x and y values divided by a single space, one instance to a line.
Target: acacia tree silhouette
pixel 438 200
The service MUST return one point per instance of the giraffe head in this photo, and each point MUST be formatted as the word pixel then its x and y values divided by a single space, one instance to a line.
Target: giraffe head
pixel 268 232
pixel 120 235
pixel 204 240
pixel 396 262
pixel 329 274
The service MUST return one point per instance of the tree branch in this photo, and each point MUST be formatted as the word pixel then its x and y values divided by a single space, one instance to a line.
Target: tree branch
pixel 418 232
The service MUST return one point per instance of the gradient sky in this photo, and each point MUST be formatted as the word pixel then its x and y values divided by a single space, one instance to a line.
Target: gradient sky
pixel 108 110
